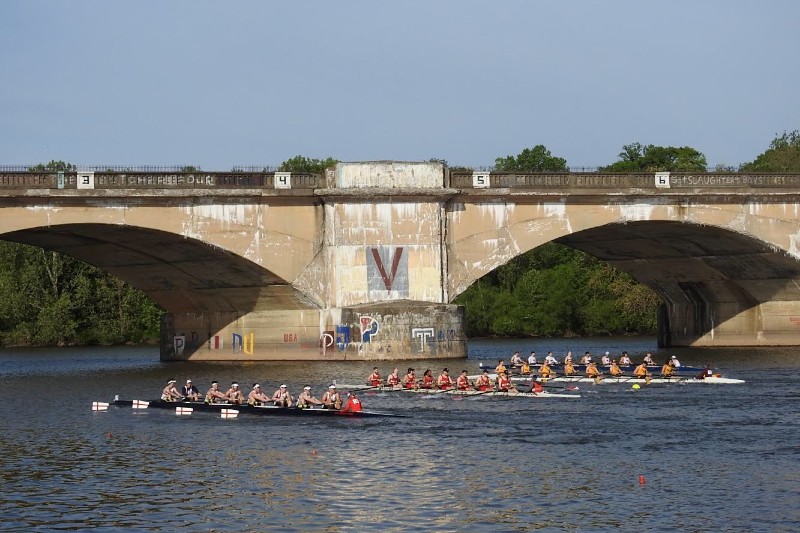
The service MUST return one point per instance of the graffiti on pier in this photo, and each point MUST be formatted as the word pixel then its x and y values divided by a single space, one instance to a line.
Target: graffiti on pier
pixel 423 334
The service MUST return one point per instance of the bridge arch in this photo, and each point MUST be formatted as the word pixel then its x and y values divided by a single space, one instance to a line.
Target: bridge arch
pixel 723 271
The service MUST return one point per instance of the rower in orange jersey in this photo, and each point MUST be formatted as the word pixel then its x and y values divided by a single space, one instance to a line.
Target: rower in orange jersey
pixel 641 370
pixel 375 379
pixel 668 370
pixel 501 366
pixel 545 371
pixel 483 383
pixel 504 382
pixel 592 371
pixel 410 379
pixel 393 379
pixel 462 382
pixel 615 370
pixel 525 369
pixel 444 382
pixel 569 369
pixel 427 380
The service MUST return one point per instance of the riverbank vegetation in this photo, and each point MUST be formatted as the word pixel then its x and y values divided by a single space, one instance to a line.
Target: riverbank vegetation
pixel 47 299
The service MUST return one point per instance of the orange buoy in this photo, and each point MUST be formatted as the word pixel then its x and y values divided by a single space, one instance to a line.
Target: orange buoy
pixel 641 480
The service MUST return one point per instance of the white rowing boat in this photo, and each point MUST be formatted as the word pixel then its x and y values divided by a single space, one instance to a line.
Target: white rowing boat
pixel 456 392
pixel 716 379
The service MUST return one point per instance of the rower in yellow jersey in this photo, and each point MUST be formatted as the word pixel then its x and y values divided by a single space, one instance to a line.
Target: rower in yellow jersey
pixel 569 369
pixel 545 371
pixel 592 371
pixel 668 370
pixel 615 370
pixel 525 368
pixel 500 368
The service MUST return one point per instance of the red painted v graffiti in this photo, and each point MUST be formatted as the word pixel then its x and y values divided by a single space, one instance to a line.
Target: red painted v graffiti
pixel 387 281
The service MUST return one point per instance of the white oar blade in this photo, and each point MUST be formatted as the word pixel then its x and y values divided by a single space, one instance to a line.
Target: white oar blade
pixel 228 413
pixel 183 410
pixel 99 406
pixel 140 404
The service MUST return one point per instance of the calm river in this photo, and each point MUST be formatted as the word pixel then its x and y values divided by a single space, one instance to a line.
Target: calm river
pixel 712 457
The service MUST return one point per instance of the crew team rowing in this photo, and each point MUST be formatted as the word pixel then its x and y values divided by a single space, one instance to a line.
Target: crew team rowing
pixel 331 399
pixel 444 382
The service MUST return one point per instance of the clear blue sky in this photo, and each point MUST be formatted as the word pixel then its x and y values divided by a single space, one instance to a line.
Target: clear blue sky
pixel 218 84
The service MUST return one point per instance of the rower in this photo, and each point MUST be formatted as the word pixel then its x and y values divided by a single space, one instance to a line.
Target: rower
pixel 545 371
pixel 170 393
pixel 625 360
pixel 568 358
pixel 504 382
pixel 668 370
pixel 501 366
pixel 427 379
pixel 214 395
pixel 353 404
pixel 393 379
pixel 374 379
pixel 444 382
pixel 483 383
pixel 675 362
pixel 462 382
pixel 586 359
pixel 410 380
pixel 516 360
pixel 615 370
pixel 706 372
pixel 550 360
pixel 190 392
pixel 536 387
pixel 641 370
pixel 234 395
pixel 282 398
pixel 569 369
pixel 532 358
pixel 592 371
pixel 525 368
pixel 257 396
pixel 606 359
pixel 648 360
pixel 332 399
pixel 306 399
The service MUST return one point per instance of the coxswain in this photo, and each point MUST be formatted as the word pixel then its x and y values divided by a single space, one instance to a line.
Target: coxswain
pixel 170 393
pixel 353 404
pixel 190 392
pixel 235 395
pixel 536 387
pixel 516 360
pixel 550 360
pixel 545 371
pixel 332 399
pixel 667 370
pixel 592 371
pixel 257 396
pixel 462 381
pixel 606 359
pixel 569 369
pixel 427 380
pixel 648 359
pixel 483 383
pixel 625 360
pixel 374 379
pixel 410 380
pixel 393 379
pixel 444 382
pixel 306 399
pixel 615 370
pixel 282 398
pixel 641 370
pixel 501 366
pixel 525 368
pixel 532 358
pixel 214 395
pixel 675 362
pixel 586 359
pixel 706 372
pixel 504 382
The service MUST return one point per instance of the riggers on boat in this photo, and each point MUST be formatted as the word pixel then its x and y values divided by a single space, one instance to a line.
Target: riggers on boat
pixel 714 379
pixel 249 409
pixel 457 392
pixel 694 370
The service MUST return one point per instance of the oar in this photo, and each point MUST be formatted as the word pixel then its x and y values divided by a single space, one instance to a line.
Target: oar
pixel 372 387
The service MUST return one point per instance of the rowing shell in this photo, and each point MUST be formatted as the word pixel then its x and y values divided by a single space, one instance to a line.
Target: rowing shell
pixel 254 409
pixel 456 392
pixel 580 367
pixel 626 379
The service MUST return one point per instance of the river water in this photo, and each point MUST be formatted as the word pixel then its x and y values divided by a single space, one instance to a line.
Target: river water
pixel 663 458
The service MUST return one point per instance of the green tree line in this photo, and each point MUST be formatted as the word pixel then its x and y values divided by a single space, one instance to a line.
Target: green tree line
pixel 47 299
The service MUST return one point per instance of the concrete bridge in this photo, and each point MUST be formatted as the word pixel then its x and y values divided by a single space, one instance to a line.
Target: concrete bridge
pixel 365 262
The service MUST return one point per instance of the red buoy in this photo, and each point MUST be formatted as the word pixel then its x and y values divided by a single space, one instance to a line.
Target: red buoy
pixel 641 480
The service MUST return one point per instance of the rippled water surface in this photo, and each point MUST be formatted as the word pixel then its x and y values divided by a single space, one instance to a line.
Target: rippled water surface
pixel 713 458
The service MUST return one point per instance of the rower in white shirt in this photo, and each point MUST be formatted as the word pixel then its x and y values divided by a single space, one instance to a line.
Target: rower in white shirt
pixel 550 360
pixel 532 358
pixel 606 359
pixel 625 360
pixel 675 362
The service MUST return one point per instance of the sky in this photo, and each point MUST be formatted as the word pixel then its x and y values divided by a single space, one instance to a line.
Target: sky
pixel 222 84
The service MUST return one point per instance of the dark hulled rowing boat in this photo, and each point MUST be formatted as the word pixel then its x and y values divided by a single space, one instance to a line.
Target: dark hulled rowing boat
pixel 251 409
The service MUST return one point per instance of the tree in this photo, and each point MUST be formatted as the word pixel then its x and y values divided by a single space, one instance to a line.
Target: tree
pixel 536 159
pixel 635 157
pixel 783 155
pixel 299 163
pixel 53 166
